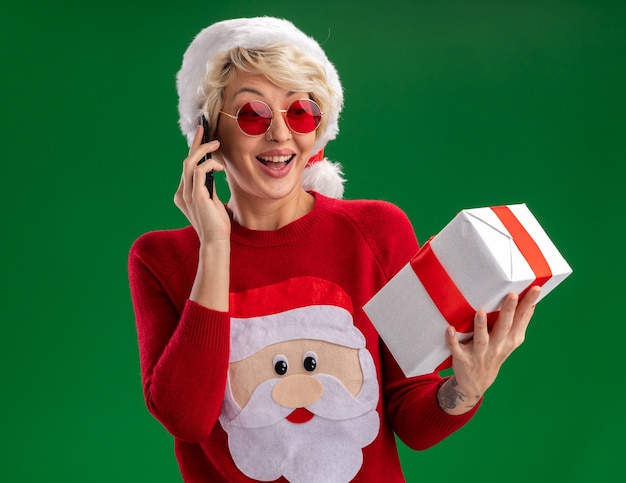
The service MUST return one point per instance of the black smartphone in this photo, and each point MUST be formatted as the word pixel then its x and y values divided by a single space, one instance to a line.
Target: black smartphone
pixel 205 139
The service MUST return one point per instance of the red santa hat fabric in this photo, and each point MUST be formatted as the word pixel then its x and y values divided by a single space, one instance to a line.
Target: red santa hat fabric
pixel 297 308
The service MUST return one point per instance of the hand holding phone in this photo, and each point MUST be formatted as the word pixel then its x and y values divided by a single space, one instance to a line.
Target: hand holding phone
pixel 205 139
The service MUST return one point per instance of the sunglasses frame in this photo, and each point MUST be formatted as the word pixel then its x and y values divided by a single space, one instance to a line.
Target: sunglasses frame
pixel 272 111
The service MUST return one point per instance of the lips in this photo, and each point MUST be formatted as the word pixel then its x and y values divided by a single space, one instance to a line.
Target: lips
pixel 300 415
pixel 277 162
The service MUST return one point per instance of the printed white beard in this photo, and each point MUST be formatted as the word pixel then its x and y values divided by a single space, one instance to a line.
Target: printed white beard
pixel 265 446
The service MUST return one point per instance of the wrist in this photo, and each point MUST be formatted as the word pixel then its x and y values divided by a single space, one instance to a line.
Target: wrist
pixel 211 286
pixel 214 249
pixel 454 399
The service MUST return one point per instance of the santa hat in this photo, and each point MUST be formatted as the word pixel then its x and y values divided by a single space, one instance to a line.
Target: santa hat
pixel 297 308
pixel 320 175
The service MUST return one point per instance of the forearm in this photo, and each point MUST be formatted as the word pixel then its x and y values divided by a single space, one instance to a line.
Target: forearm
pixel 185 388
pixel 211 285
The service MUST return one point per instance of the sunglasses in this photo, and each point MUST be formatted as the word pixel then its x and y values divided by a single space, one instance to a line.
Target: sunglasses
pixel 255 117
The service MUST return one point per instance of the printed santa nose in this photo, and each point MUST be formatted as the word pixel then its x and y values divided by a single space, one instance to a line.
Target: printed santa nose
pixel 297 391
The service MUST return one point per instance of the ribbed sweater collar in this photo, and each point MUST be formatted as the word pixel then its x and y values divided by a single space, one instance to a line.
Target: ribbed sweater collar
pixel 294 231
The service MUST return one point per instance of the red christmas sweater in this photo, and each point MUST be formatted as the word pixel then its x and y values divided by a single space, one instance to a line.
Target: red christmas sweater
pixel 184 347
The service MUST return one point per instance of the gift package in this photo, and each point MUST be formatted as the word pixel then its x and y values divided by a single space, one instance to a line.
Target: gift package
pixel 482 255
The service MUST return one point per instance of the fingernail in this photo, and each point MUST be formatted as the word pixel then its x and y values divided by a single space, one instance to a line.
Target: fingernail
pixel 450 331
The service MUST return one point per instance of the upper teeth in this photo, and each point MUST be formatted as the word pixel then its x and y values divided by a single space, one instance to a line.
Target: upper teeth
pixel 275 159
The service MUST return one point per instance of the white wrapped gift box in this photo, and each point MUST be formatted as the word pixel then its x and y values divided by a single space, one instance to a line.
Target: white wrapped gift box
pixel 473 263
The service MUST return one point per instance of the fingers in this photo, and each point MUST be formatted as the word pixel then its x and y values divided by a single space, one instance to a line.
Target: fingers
pixel 514 318
pixel 453 342
pixel 480 339
pixel 198 150
pixel 188 188
pixel 195 157
pixel 523 314
pixel 193 170
pixel 530 299
pixel 197 139
pixel 503 325
pixel 199 176
pixel 481 333
pixel 178 196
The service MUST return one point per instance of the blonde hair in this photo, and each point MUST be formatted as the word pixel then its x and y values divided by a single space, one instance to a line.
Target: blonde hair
pixel 281 64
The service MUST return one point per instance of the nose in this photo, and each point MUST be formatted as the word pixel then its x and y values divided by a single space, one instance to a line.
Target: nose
pixel 297 391
pixel 279 129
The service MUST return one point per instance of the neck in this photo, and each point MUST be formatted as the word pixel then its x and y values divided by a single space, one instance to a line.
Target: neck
pixel 270 214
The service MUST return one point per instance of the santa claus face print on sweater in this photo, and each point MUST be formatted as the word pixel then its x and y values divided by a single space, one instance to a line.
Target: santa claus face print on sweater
pixel 302 389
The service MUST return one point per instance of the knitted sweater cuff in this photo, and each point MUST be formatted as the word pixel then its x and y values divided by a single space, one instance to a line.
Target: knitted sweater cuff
pixel 203 326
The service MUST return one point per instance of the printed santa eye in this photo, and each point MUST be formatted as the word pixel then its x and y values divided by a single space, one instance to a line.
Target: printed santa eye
pixel 309 361
pixel 280 364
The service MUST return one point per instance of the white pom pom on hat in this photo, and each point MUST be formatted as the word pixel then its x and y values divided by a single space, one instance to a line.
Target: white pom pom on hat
pixel 321 175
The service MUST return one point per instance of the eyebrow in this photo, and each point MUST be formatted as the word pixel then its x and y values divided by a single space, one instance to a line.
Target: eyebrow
pixel 254 91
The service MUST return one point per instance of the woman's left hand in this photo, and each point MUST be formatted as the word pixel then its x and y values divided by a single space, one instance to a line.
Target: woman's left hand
pixel 476 363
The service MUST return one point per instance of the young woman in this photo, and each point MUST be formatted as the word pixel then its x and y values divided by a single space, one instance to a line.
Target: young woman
pixel 255 352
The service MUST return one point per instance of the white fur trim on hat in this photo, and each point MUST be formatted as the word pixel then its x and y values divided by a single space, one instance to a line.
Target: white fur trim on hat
pixel 257 32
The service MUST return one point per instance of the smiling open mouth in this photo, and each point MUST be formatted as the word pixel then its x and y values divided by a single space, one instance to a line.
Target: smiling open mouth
pixel 275 162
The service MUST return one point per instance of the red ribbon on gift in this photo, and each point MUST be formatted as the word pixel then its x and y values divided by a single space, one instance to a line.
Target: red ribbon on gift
pixel 446 296
pixel 526 245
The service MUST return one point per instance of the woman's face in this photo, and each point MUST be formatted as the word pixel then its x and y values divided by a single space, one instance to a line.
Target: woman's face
pixel 268 166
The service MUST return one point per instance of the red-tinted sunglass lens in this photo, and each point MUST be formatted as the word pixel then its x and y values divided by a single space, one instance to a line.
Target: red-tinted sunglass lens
pixel 304 116
pixel 254 118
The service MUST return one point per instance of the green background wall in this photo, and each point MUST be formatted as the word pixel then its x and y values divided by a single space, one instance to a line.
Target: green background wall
pixel 449 105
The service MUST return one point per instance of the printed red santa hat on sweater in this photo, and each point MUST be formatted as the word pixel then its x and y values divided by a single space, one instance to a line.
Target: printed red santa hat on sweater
pixel 297 308
pixel 320 175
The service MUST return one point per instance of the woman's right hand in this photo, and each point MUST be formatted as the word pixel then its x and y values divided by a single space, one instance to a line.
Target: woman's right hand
pixel 207 215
